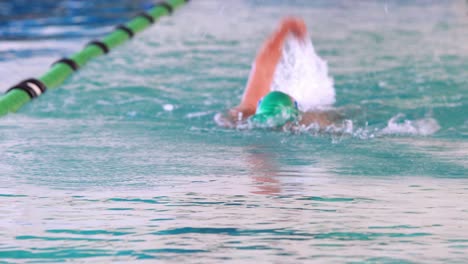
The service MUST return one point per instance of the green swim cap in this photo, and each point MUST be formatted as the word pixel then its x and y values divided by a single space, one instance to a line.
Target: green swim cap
pixel 275 109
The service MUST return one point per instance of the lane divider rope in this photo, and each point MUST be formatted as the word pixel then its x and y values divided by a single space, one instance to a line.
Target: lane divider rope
pixel 21 93
pixel 71 63
pixel 126 29
pixel 147 17
pixel 33 87
pixel 103 46
pixel 167 6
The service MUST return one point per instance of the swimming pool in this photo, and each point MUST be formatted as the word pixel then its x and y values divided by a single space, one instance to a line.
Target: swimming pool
pixel 125 163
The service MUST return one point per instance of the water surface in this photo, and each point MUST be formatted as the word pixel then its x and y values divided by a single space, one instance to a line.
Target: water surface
pixel 124 162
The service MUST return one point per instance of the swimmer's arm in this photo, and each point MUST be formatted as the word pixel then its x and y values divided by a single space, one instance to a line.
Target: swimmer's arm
pixel 265 66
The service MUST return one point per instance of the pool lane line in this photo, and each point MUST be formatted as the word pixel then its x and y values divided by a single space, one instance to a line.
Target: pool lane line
pixel 23 92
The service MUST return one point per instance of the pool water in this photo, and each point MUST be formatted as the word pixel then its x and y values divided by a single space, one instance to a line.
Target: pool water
pixel 125 162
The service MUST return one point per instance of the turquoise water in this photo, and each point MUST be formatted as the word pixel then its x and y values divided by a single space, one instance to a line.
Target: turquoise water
pixel 125 163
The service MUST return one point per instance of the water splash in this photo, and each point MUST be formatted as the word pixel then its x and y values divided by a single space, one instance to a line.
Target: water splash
pixel 302 74
pixel 397 126
pixel 424 127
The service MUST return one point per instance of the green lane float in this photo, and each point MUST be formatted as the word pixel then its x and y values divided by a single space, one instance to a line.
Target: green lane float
pixel 20 94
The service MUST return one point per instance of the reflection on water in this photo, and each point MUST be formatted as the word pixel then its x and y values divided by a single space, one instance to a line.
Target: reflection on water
pixel 365 219
pixel 257 201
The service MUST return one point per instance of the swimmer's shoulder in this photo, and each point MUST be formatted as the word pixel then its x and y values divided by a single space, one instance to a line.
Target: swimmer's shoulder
pixel 321 118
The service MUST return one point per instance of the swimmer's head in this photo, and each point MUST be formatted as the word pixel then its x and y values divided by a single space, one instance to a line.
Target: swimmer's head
pixel 275 109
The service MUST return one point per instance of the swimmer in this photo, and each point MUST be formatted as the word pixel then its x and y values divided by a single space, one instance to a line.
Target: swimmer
pixel 267 108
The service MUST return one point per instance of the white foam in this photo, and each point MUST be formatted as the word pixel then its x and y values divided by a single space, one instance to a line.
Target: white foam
pixel 424 127
pixel 168 107
pixel 302 74
pixel 198 114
